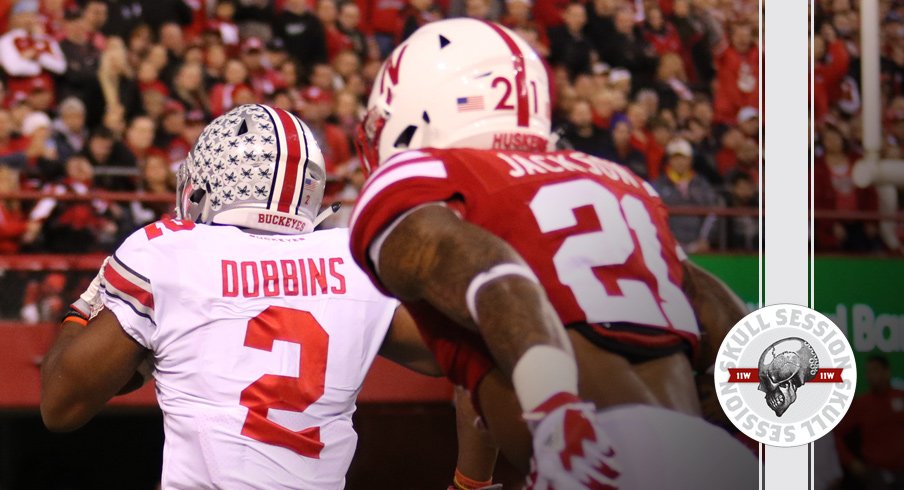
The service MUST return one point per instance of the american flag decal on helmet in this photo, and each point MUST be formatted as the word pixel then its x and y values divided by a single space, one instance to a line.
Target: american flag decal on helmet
pixel 472 103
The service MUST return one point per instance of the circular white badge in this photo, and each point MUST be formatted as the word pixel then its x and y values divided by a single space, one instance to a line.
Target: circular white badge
pixel 785 375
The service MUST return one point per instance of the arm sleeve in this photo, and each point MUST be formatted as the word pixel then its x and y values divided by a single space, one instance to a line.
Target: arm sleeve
pixel 12 61
pixel 128 291
pixel 55 60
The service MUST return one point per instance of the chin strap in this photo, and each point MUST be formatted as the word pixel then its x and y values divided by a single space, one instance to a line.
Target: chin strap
pixel 326 213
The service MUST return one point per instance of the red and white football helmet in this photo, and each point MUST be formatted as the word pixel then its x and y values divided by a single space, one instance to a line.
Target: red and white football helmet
pixel 255 167
pixel 457 83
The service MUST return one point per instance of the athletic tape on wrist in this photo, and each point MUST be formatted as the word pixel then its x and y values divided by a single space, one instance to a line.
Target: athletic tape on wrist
pixel 542 372
pixel 496 272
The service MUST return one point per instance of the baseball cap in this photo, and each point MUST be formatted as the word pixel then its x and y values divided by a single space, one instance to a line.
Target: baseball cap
pixel 679 147
pixel 38 84
pixel 316 94
pixel 747 113
pixel 195 116
pixel 173 106
pixel 618 74
pixel 35 121
pixel 252 44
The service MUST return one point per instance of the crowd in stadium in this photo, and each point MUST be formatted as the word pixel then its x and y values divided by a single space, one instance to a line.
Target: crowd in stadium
pixel 111 94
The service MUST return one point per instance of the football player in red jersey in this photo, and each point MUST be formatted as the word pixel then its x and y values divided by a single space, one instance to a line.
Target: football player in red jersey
pixel 526 268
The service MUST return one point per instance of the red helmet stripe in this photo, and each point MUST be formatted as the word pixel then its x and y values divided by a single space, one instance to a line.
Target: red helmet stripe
pixel 520 82
pixel 293 160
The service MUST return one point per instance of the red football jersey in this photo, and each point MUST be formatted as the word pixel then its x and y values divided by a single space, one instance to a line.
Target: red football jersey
pixel 594 233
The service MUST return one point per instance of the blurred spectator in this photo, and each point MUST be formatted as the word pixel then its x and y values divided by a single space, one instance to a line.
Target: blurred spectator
pixel 622 151
pixel 82 56
pixel 221 96
pixel 518 18
pixel 671 82
pixel 139 138
pixel 743 231
pixel 568 46
pixel 158 13
pixel 835 190
pixel 96 15
pixel 695 51
pixel 747 158
pixel 832 63
pixel 188 88
pixel 705 147
pixel 660 34
pixel 348 25
pixel 727 157
pixel 581 133
pixel 382 16
pixel 876 420
pixel 414 15
pixel 108 159
pixel 482 9
pixel 223 23
pixel 680 186
pixel 334 143
pixel 12 147
pixel 71 226
pixel 41 154
pixel 264 79
pixel 69 131
pixel 303 33
pixel 157 178
pixel 12 221
pixel 43 301
pixel 276 53
pixel 27 53
pixel 749 122
pixel 257 18
pixel 737 84
pixel 184 140
pixel 116 89
pixel 122 18
pixel 620 44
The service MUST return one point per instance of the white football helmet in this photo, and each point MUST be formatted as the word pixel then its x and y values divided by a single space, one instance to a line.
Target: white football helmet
pixel 457 83
pixel 255 167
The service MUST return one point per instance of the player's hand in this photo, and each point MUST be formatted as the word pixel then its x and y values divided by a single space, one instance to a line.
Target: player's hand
pixel 570 449
pixel 89 303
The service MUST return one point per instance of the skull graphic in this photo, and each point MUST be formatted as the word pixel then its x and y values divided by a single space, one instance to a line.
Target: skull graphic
pixel 784 367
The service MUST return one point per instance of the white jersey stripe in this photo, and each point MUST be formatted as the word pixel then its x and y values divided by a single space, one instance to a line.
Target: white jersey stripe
pixel 402 157
pixel 430 169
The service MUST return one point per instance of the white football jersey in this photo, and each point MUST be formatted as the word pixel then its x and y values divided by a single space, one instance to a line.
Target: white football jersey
pixel 260 346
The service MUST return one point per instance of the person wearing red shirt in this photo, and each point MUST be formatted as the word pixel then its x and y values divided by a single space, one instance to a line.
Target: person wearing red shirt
pixel 832 63
pixel 12 222
pixel 737 83
pixel 878 417
pixel 835 190
pixel 334 143
pixel 11 147
pixel 660 33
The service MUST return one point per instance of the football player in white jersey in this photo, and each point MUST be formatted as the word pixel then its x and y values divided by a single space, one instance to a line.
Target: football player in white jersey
pixel 259 331
pixel 548 275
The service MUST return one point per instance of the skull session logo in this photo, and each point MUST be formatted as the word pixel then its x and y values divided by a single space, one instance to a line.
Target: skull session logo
pixel 785 375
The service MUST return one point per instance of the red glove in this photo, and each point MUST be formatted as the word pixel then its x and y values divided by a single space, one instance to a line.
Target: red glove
pixel 570 449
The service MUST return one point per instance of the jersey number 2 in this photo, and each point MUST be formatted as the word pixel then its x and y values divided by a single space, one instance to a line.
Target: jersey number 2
pixel 286 392
pixel 613 245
